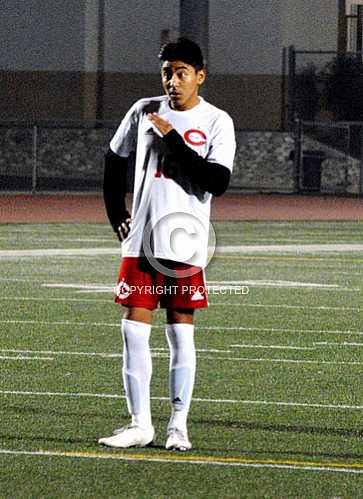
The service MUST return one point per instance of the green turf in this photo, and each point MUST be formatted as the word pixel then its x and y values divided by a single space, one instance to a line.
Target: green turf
pixel 279 379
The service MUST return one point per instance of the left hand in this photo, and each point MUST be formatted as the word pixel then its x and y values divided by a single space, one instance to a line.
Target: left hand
pixel 162 125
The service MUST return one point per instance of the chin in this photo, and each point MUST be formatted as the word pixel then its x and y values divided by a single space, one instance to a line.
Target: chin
pixel 177 104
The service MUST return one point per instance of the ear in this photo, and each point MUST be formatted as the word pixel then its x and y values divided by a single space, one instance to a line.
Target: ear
pixel 201 76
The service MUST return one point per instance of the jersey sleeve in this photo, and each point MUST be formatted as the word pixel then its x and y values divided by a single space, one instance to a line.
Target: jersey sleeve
pixel 123 142
pixel 223 144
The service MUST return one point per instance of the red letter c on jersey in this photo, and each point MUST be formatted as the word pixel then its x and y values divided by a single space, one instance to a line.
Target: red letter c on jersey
pixel 195 137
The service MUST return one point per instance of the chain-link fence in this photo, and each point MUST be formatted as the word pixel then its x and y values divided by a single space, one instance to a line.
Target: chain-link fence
pixel 314 157
pixel 321 85
pixel 63 156
pixel 328 158
pixel 53 156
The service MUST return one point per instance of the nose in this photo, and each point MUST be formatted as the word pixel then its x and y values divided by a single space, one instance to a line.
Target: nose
pixel 174 81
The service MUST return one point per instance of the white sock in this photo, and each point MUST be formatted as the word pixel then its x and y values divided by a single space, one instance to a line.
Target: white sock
pixel 182 372
pixel 136 371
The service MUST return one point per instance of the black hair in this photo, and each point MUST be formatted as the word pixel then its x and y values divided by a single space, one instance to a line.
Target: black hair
pixel 184 50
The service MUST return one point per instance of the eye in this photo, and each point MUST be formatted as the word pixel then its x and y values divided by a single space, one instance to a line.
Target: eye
pixel 182 74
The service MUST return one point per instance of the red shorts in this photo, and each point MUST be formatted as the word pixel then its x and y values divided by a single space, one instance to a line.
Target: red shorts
pixel 140 285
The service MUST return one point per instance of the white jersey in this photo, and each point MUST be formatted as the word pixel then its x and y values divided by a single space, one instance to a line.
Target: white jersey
pixel 170 217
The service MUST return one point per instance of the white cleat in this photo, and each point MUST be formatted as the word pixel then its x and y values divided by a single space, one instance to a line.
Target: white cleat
pixel 177 440
pixel 129 436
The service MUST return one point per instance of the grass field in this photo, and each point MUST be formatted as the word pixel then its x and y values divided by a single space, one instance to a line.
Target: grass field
pixel 278 402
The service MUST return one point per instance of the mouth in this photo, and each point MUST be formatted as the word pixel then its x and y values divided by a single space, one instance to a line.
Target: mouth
pixel 174 95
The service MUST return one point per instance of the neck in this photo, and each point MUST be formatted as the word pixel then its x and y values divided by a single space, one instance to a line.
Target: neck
pixel 186 107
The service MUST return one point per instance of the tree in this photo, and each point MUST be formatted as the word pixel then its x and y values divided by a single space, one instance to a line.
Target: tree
pixel 344 88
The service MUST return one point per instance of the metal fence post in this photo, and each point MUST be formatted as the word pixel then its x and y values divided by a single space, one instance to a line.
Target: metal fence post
pixel 297 155
pixel 35 159
pixel 291 87
pixel 348 154
pixel 283 90
pixel 361 161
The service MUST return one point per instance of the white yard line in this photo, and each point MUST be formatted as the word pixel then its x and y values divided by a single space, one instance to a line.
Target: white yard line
pixel 212 303
pixel 240 250
pixel 112 355
pixel 199 327
pixel 285 361
pixel 285 306
pixel 43 238
pixel 93 288
pixel 22 357
pixel 88 286
pixel 47 299
pixel 35 253
pixel 213 287
pixel 164 353
pixel 268 283
pixel 61 323
pixel 61 353
pixel 195 399
pixel 277 347
pixel 342 344
pixel 278 330
pixel 290 248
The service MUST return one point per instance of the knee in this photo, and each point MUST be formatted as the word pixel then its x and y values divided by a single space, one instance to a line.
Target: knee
pixel 138 314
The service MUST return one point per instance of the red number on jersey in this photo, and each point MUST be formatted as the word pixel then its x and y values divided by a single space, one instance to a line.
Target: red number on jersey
pixel 159 173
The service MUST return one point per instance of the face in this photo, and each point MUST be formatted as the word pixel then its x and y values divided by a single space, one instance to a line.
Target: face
pixel 181 83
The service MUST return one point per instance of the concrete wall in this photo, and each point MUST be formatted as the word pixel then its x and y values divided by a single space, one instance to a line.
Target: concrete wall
pixel 41 35
pixel 246 36
pixel 49 54
pixel 309 24
pixel 29 95
pixel 251 100
pixel 72 159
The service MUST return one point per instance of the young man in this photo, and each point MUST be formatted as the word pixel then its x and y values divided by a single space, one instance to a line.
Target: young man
pixel 184 150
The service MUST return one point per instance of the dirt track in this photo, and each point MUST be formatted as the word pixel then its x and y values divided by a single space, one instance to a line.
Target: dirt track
pixel 89 208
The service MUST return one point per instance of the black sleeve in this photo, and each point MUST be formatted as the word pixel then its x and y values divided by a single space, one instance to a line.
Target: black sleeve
pixel 211 177
pixel 115 188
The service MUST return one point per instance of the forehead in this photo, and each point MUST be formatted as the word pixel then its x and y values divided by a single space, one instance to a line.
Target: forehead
pixel 175 65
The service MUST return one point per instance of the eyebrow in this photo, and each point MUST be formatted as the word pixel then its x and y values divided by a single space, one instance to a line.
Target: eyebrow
pixel 176 69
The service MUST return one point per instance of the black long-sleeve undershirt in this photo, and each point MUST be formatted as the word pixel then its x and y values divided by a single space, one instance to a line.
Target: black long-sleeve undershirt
pixel 210 177
pixel 115 188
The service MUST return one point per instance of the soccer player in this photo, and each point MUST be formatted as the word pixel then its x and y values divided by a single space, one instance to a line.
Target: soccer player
pixel 183 149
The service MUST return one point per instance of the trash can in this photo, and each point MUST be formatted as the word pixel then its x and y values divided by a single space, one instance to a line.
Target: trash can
pixel 311 170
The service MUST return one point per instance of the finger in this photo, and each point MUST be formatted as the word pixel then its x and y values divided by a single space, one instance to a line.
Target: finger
pixel 125 227
pixel 155 118
pixel 164 126
pixel 119 234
